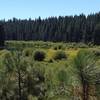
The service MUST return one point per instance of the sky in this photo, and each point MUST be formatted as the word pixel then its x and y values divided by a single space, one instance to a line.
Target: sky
pixel 25 9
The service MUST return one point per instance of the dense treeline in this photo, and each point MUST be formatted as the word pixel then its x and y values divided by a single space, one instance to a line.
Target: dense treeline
pixel 68 29
pixel 2 36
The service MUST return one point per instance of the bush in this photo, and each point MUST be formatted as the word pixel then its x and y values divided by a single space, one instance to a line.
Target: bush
pixel 62 76
pixel 39 55
pixel 27 52
pixel 59 47
pixel 55 48
pixel 60 55
pixel 96 52
pixel 81 45
pixel 50 61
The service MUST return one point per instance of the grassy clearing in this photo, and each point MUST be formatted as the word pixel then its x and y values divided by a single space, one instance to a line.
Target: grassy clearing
pixel 55 78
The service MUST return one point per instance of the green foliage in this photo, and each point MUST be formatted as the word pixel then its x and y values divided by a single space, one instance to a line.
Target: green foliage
pixel 47 79
pixel 76 29
pixel 21 45
pixel 29 44
pixel 62 76
pixel 20 77
pixel 59 46
pixel 60 55
pixel 88 70
pixel 39 55
pixel 28 52
pixel 2 36
pixel 96 34
pixel 55 48
pixel 77 45
pixel 83 58
pixel 96 52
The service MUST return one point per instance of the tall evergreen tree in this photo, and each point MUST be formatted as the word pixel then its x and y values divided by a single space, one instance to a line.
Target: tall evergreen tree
pixel 2 36
pixel 67 29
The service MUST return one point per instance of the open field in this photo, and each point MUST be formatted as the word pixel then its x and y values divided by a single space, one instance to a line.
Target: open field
pixel 53 77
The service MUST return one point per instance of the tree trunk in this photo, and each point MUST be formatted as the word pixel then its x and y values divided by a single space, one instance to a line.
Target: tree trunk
pixel 85 90
pixel 85 87
pixel 19 85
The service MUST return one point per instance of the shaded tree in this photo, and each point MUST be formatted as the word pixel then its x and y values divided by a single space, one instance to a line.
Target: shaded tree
pixel 97 34
pixel 2 35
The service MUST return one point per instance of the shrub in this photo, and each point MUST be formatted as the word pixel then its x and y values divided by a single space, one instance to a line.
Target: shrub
pixel 62 76
pixel 55 48
pixel 59 47
pixel 50 61
pixel 27 52
pixel 96 52
pixel 39 55
pixel 81 45
pixel 60 55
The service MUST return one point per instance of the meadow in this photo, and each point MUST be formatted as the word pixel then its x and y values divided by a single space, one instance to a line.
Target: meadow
pixel 49 71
